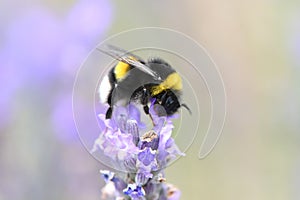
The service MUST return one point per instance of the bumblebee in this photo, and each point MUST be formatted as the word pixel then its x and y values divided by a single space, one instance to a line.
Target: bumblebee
pixel 134 80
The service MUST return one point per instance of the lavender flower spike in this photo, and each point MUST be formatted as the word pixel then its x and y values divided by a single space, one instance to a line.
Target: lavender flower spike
pixel 140 154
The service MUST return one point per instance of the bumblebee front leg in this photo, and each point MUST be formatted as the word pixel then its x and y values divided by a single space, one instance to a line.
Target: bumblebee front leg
pixel 109 101
pixel 108 113
pixel 146 109
pixel 145 100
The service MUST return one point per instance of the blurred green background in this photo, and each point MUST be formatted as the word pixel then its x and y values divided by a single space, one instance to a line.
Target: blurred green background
pixel 256 46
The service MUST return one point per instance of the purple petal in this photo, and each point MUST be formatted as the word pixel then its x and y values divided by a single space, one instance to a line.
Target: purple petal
pixel 142 177
pixel 116 145
pixel 120 185
pixel 120 117
pixel 135 114
pixel 130 164
pixel 107 122
pixel 149 139
pixel 134 191
pixel 147 156
pixel 167 150
pixel 132 128
pixel 107 175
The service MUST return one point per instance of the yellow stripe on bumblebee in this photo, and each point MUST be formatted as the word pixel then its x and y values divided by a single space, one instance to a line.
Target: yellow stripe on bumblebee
pixel 173 81
pixel 121 70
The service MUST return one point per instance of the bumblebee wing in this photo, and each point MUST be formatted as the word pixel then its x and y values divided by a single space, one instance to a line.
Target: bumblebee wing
pixel 117 52
pixel 127 57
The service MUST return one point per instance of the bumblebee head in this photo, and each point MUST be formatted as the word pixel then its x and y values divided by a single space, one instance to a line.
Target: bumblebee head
pixel 169 103
pixel 168 100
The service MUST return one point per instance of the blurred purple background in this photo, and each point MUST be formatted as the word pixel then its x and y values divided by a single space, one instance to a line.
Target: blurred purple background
pixel 255 44
pixel 41 50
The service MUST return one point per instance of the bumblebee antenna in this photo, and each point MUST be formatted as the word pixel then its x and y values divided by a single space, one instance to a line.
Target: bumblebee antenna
pixel 186 107
pixel 120 55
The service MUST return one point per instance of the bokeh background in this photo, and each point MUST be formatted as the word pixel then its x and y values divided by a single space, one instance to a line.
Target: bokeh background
pixel 256 45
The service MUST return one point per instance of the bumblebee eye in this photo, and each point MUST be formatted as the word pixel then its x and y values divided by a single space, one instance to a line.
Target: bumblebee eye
pixel 169 101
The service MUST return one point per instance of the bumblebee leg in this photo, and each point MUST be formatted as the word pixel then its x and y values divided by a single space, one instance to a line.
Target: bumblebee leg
pixel 109 101
pixel 144 100
pixel 146 109
pixel 108 113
